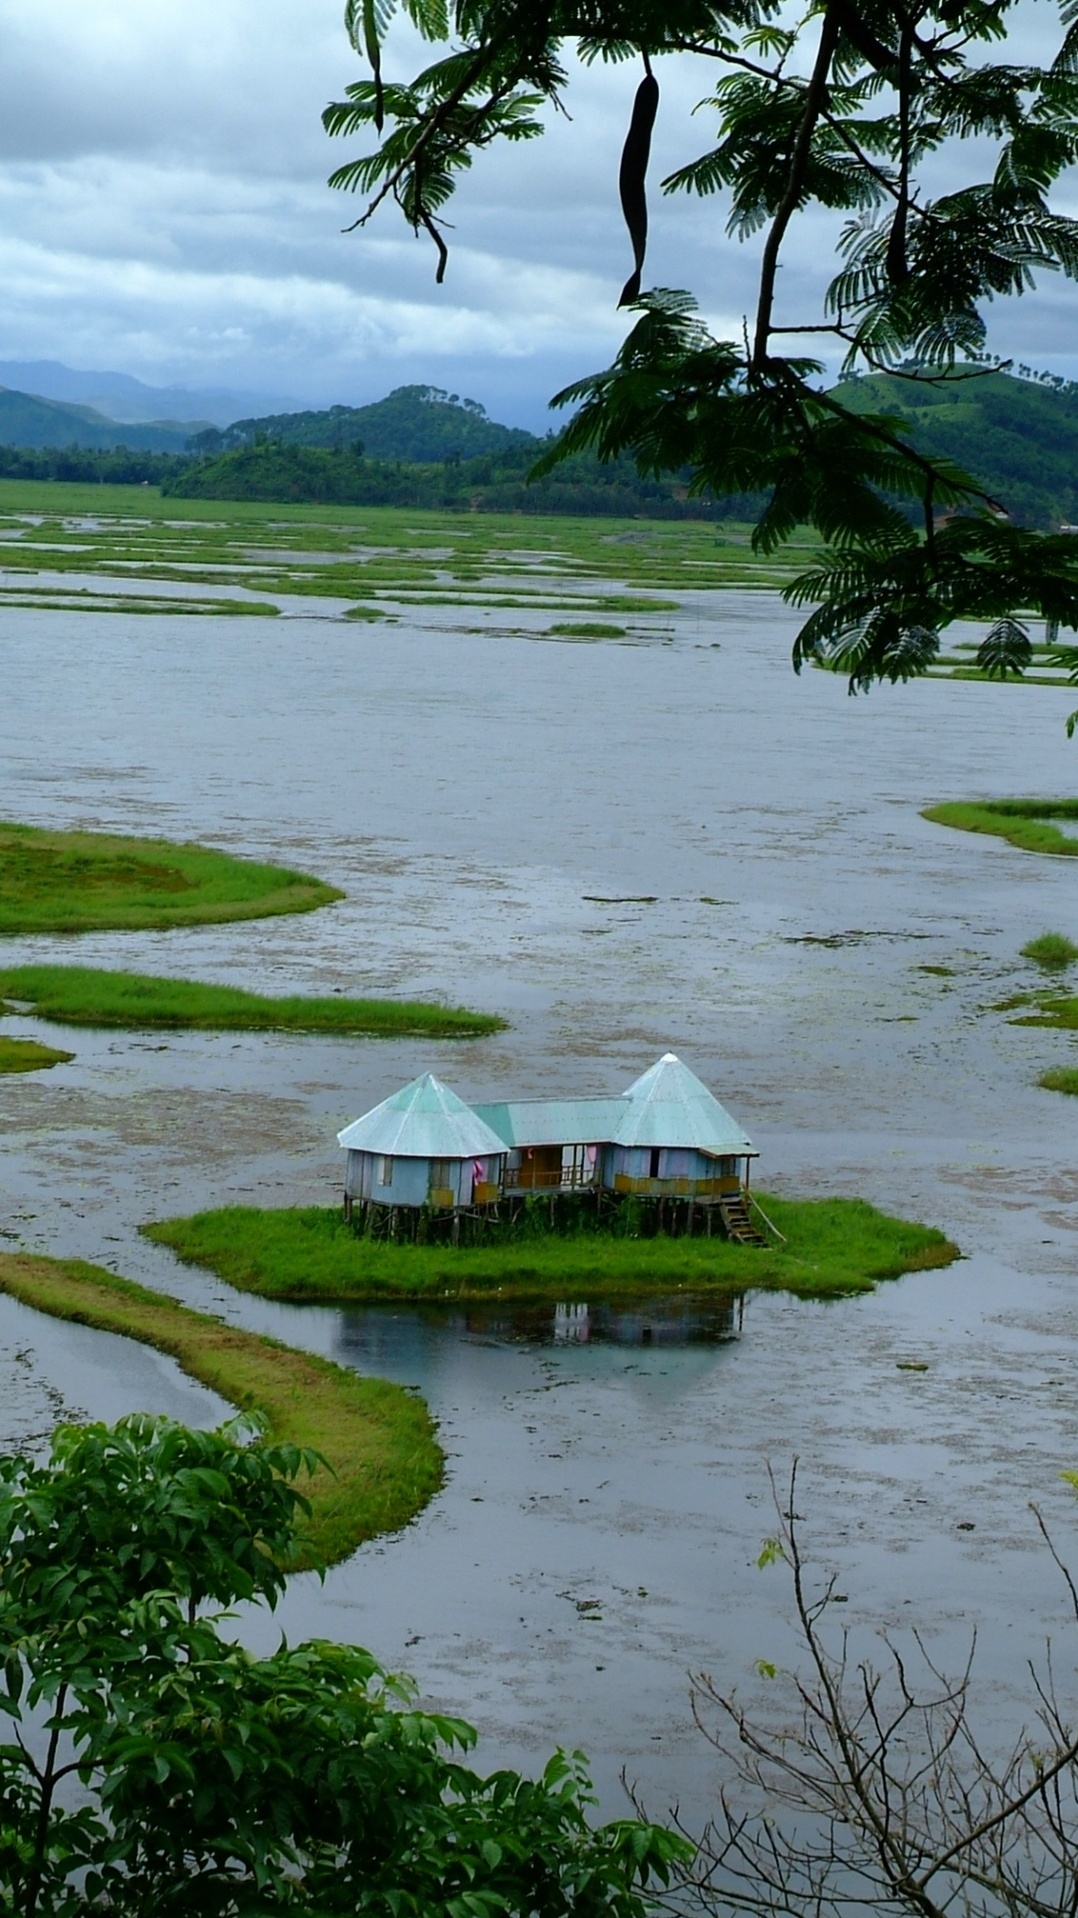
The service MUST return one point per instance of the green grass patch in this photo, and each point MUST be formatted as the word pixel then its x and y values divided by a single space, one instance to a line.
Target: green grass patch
pixel 378 1438
pixel 1053 951
pixel 1025 823
pixel 102 882
pixel 26 1055
pixel 587 629
pixel 85 996
pixel 1060 1079
pixel 833 1246
pixel 1060 1015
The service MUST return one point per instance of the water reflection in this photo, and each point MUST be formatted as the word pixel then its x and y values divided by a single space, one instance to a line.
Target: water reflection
pixel 398 1339
pixel 657 1322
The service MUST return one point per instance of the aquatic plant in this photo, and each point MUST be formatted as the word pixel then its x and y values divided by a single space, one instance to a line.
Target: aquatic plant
pixel 28 1055
pixel 1052 950
pixel 88 996
pixel 1025 823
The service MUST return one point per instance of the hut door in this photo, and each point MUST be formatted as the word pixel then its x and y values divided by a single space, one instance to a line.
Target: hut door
pixel 540 1168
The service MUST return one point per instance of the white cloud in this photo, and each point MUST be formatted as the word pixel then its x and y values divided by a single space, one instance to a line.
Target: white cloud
pixel 163 210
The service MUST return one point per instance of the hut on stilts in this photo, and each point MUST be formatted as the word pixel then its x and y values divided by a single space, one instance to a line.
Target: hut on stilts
pixel 666 1144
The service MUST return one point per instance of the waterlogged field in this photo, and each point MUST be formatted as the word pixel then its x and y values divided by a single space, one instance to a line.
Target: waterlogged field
pixel 195 556
pixel 76 548
pixel 622 827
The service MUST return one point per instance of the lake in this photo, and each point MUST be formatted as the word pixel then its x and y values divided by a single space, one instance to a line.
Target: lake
pixel 624 848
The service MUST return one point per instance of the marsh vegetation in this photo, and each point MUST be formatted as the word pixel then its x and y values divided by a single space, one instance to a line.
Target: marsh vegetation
pixel 89 996
pixel 833 1246
pixel 28 1055
pixel 1025 823
pixel 93 882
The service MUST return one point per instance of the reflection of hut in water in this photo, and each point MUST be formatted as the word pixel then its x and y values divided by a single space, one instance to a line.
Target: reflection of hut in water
pixel 666 1144
pixel 421 1148
pixel 655 1322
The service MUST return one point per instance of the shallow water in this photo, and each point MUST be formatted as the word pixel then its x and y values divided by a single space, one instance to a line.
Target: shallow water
pixel 501 813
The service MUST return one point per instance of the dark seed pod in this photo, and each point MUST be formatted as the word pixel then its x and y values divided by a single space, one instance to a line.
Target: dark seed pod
pixel 633 176
pixel 898 271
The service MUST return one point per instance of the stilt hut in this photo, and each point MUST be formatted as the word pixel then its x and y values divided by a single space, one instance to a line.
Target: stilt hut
pixel 674 1140
pixel 421 1147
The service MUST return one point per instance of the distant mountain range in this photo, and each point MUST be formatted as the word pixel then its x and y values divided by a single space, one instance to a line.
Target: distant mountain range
pixel 132 402
pixel 26 420
pixel 1018 436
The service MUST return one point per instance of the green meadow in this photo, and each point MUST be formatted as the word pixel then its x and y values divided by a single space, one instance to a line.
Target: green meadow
pixel 833 1246
pixel 88 996
pixel 99 882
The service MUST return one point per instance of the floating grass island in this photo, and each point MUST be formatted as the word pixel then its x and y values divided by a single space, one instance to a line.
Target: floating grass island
pixel 1025 823
pixel 377 1438
pixel 104 882
pixel 1052 951
pixel 26 1055
pixel 833 1246
pixel 1060 1079
pixel 87 996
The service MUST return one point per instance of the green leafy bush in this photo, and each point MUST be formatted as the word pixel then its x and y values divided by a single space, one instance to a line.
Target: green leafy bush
pixel 213 1784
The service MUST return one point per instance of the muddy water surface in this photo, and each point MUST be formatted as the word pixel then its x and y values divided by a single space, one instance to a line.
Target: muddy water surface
pixel 623 848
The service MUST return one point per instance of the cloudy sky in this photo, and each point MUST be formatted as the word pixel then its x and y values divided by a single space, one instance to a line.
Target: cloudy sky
pixel 164 213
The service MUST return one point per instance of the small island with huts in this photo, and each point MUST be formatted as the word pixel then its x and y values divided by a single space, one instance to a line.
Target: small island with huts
pixel 621 1197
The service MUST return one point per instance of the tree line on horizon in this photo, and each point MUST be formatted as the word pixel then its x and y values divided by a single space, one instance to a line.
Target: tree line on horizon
pixel 425 448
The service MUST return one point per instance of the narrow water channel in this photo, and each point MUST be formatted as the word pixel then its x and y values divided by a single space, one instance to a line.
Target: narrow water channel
pixel 623 848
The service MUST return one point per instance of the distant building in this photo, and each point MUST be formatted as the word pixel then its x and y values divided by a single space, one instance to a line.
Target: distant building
pixel 666 1138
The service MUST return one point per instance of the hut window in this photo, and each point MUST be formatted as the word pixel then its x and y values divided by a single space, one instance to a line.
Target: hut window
pixel 385 1172
pixel 441 1172
pixel 654 1173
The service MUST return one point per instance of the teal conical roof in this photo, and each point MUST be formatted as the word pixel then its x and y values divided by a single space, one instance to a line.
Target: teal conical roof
pixel 669 1106
pixel 424 1120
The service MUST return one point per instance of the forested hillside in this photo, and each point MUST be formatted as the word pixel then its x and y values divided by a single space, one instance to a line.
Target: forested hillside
pixel 496 483
pixel 419 423
pixel 1018 436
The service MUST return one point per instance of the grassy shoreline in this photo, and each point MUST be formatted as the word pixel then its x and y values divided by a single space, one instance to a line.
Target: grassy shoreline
pixel 91 996
pixel 378 1438
pixel 1021 822
pixel 28 1055
pixel 835 1246
pixel 108 882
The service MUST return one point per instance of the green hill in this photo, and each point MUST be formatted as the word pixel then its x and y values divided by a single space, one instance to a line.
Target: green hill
pixel 1018 437
pixel 414 423
pixel 26 420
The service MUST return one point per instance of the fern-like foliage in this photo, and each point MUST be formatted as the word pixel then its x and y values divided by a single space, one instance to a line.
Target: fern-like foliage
pixel 857 107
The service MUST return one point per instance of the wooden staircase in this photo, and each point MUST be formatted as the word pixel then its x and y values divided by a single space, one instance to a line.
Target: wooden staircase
pixel 737 1222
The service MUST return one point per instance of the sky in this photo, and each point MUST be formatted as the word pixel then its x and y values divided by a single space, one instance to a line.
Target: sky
pixel 164 212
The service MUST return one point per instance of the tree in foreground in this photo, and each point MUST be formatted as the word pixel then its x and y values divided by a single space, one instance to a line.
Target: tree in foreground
pixel 883 1791
pixel 857 109
pixel 154 1769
